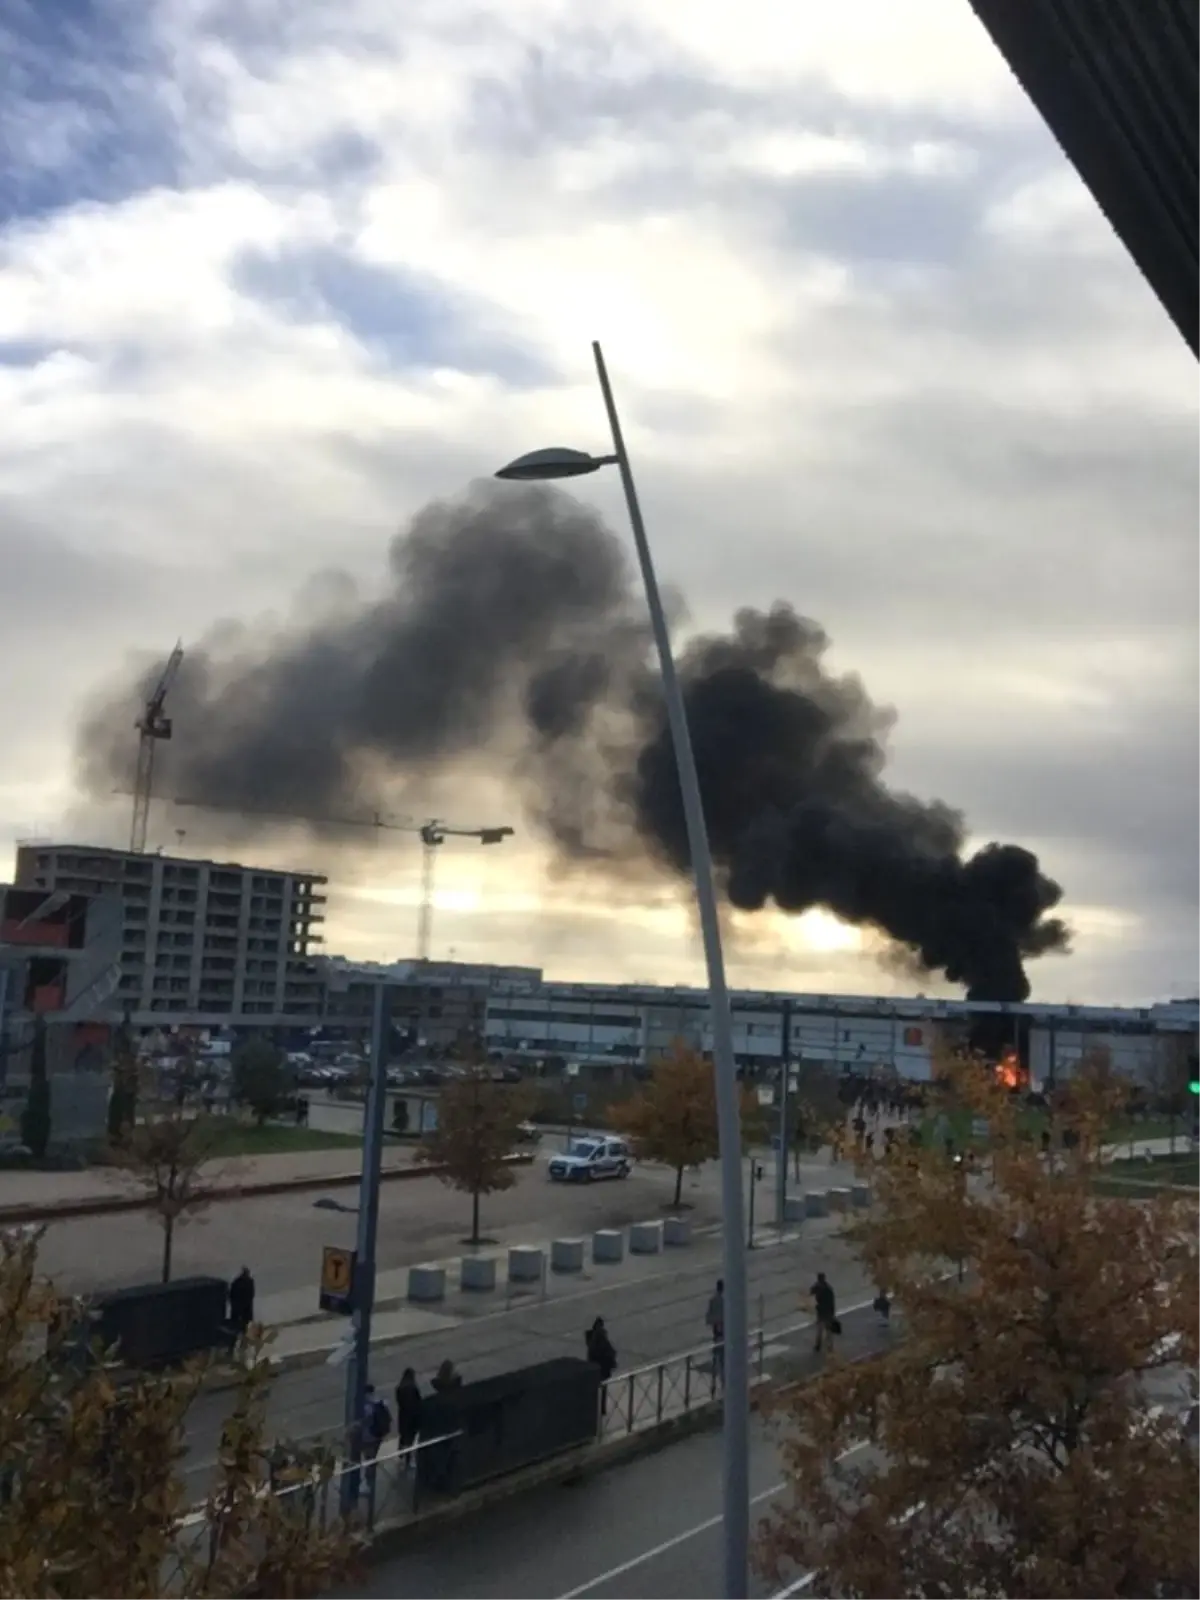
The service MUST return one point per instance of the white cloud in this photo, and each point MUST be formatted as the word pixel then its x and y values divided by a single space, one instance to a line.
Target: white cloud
pixel 876 348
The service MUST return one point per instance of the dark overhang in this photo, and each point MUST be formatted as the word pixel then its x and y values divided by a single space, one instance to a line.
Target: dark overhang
pixel 1116 82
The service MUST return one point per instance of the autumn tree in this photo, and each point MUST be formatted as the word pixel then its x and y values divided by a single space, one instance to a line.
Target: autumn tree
pixel 260 1078
pixel 93 1501
pixel 1007 1444
pixel 168 1158
pixel 478 1124
pixel 673 1118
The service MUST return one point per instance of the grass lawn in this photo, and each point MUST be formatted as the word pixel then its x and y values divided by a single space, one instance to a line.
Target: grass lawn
pixel 1141 1179
pixel 236 1138
pixel 1033 1120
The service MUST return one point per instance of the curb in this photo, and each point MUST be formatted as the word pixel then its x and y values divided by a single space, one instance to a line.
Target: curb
pixel 66 1210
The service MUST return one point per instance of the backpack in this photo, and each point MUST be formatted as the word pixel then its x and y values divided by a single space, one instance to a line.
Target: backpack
pixel 381 1420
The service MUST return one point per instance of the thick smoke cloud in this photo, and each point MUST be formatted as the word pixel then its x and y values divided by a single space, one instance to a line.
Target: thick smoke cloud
pixel 511 633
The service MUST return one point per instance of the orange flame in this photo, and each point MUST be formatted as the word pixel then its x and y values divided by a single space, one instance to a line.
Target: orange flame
pixel 1009 1071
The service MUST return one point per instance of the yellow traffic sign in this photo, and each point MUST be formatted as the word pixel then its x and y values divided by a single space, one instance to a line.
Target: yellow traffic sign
pixel 337 1278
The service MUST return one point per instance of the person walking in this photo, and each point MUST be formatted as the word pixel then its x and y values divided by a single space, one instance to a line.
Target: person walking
pixel 825 1305
pixel 375 1426
pixel 241 1305
pixel 409 1404
pixel 602 1354
pixel 714 1318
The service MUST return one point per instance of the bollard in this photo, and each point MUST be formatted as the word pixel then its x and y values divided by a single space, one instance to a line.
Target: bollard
pixel 645 1238
pixel 860 1193
pixel 526 1263
pixel 839 1199
pixel 566 1255
pixel 795 1208
pixel 477 1274
pixel 677 1232
pixel 816 1203
pixel 426 1283
pixel 608 1245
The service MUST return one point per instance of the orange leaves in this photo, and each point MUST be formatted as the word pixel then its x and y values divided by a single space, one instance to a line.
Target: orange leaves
pixel 477 1128
pixel 1011 1451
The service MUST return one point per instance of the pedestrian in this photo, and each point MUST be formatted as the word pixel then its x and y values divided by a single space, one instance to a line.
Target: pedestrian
pixel 869 1145
pixel 446 1378
pixel 374 1428
pixel 825 1304
pixel 714 1319
pixel 241 1304
pixel 882 1306
pixel 409 1404
pixel 602 1354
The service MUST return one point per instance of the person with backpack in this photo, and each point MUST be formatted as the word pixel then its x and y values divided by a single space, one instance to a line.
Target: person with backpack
pixel 825 1304
pixel 375 1427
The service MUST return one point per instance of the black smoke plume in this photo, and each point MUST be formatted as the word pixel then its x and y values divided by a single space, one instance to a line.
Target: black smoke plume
pixel 511 634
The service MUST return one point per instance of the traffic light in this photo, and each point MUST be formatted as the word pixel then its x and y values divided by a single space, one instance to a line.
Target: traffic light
pixel 1194 1086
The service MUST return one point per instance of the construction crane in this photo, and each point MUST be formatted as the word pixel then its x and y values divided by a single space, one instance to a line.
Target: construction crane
pixel 432 833
pixel 153 726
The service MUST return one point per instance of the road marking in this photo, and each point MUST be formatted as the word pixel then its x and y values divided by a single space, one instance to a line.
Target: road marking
pixel 682 1538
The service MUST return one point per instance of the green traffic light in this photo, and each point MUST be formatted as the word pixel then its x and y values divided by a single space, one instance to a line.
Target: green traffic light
pixel 1194 1086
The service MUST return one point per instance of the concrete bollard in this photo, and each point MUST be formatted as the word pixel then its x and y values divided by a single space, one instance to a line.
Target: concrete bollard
pixel 677 1232
pixel 426 1283
pixel 839 1199
pixel 816 1203
pixel 860 1193
pixel 608 1244
pixel 645 1238
pixel 526 1263
pixel 477 1273
pixel 795 1208
pixel 566 1255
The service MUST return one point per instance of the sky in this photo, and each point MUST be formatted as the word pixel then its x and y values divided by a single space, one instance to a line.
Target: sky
pixel 273 276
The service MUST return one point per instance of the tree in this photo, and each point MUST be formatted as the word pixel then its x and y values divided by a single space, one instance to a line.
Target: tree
pixel 673 1118
pixel 260 1078
pixel 1014 1450
pixel 35 1119
pixel 166 1157
pixel 122 1099
pixel 814 1106
pixel 477 1130
pixel 92 1500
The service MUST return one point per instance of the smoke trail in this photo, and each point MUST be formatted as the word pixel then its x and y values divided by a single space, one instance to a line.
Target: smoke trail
pixel 510 631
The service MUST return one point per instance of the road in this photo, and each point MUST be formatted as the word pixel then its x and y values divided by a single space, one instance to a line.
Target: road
pixel 652 1527
pixel 648 1318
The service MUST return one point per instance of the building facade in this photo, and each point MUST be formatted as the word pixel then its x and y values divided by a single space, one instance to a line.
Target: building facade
pixel 202 943
pixel 634 1024
pixel 434 1005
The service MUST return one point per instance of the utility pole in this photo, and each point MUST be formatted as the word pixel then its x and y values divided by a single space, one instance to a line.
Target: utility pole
pixel 785 1136
pixel 368 1228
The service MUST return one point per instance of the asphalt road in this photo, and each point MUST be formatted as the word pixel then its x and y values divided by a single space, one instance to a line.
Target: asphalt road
pixel 648 1318
pixel 652 1527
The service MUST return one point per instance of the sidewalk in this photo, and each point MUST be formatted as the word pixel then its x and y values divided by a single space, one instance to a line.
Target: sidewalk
pixel 43 1190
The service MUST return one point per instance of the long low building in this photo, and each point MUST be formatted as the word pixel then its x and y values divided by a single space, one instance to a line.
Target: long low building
pixel 634 1023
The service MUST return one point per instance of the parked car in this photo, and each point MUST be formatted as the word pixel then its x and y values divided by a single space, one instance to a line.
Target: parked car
pixel 589 1159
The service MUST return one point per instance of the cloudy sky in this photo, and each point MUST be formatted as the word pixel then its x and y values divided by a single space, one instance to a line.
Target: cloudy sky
pixel 272 275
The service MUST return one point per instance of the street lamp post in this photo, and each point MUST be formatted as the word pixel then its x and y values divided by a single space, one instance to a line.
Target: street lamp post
pixel 561 463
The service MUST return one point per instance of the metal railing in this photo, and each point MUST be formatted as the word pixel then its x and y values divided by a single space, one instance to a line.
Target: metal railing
pixel 389 1485
pixel 648 1396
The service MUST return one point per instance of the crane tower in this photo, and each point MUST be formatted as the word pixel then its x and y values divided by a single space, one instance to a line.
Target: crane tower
pixel 153 726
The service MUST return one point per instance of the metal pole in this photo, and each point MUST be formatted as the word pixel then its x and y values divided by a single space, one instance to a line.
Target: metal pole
pixel 785 1136
pixel 750 1206
pixel 736 1407
pixel 368 1227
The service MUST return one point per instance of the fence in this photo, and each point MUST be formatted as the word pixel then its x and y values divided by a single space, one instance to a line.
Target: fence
pixel 650 1395
pixel 388 1487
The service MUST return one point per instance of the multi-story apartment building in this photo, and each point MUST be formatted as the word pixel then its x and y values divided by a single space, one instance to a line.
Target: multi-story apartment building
pixel 202 943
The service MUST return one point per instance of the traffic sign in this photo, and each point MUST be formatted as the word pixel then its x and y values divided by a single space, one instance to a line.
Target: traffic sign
pixel 337 1279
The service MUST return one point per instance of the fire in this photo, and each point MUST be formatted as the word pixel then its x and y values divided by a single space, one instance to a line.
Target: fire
pixel 1009 1071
